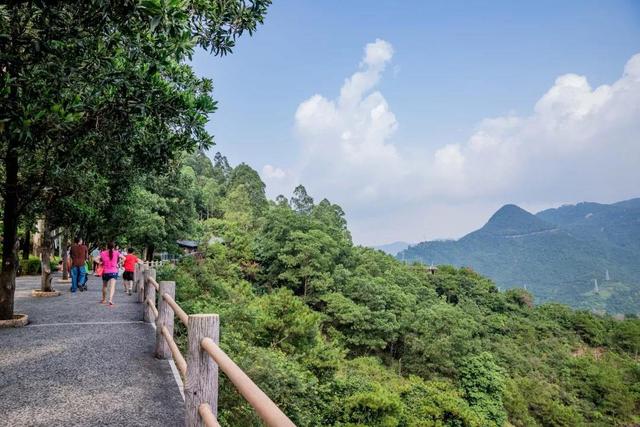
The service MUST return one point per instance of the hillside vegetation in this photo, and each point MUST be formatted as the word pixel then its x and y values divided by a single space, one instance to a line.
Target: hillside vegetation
pixel 348 336
pixel 556 254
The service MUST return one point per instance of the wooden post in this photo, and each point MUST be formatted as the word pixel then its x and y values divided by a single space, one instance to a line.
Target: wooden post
pixel 165 318
pixel 136 278
pixel 201 385
pixel 149 294
pixel 143 284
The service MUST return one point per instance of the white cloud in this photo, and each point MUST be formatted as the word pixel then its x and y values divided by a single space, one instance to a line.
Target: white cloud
pixel 578 143
pixel 270 172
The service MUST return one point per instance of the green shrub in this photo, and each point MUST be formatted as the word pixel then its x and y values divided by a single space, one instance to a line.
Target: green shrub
pixel 54 263
pixel 33 266
pixel 30 267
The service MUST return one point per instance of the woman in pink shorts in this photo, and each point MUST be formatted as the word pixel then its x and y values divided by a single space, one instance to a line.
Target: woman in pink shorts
pixel 110 260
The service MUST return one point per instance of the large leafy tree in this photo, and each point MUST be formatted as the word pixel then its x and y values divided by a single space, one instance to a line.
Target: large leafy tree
pixel 101 80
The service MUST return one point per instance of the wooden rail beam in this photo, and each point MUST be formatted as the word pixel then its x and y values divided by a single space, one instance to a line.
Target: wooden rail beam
pixel 181 364
pixel 184 318
pixel 207 416
pixel 266 409
pixel 154 310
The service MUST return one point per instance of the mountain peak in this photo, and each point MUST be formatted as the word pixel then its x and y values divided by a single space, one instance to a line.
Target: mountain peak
pixel 513 220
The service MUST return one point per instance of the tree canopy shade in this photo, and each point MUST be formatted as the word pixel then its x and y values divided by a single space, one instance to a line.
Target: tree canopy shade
pixel 99 88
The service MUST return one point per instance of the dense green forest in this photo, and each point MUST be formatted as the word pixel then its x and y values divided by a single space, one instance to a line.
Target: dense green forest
pixel 339 334
pixel 558 254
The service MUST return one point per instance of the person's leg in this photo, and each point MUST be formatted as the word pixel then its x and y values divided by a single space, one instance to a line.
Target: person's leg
pixel 112 288
pixel 104 291
pixel 126 281
pixel 74 279
pixel 82 280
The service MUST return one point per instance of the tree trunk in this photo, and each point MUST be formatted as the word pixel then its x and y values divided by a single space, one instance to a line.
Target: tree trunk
pixel 10 234
pixel 150 251
pixel 47 248
pixel 36 238
pixel 26 245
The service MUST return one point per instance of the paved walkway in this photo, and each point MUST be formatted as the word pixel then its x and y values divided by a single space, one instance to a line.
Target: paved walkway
pixel 81 363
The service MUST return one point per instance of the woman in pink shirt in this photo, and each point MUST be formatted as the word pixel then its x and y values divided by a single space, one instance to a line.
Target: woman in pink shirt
pixel 110 260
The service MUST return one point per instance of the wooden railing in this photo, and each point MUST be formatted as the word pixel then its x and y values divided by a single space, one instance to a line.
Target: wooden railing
pixel 200 370
pixel 154 264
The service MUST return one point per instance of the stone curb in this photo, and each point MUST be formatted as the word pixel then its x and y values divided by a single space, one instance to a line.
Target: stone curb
pixel 44 294
pixel 18 321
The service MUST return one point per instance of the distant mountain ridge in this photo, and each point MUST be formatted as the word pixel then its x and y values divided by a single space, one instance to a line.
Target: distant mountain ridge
pixel 557 253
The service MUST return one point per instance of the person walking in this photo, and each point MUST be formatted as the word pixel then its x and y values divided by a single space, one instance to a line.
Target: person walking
pixel 95 254
pixel 79 254
pixel 130 262
pixel 110 260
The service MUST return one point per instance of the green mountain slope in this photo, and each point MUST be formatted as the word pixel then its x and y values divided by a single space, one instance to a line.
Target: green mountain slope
pixel 556 254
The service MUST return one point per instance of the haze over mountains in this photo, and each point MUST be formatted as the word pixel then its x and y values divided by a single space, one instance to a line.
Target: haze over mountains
pixel 557 254
pixel 393 248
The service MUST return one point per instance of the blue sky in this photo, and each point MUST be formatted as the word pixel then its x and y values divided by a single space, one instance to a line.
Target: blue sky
pixel 451 65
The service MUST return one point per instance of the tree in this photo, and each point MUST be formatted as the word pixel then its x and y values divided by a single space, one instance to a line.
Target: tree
pixel 483 383
pixel 301 201
pixel 159 211
pixel 250 180
pixel 305 257
pixel 79 75
pixel 221 168
pixel 238 208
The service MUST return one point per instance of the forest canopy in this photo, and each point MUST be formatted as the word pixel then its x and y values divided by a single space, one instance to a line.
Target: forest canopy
pixel 339 334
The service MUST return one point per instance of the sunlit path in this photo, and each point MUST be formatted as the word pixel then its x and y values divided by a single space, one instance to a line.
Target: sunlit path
pixel 82 363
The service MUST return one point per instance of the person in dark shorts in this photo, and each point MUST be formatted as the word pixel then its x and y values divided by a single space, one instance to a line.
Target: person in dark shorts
pixel 130 262
pixel 79 255
pixel 110 260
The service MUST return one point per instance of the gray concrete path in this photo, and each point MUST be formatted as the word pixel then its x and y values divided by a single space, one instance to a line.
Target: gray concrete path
pixel 81 363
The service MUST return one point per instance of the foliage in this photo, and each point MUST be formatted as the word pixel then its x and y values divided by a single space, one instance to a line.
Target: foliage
pixel 95 93
pixel 32 266
pixel 348 336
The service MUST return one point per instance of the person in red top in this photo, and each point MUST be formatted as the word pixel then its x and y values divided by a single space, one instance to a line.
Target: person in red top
pixel 130 262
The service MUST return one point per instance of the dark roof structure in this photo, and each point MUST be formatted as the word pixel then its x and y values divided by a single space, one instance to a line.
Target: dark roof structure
pixel 191 244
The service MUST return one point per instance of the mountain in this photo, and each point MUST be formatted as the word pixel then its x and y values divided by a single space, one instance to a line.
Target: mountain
pixel 617 224
pixel 513 221
pixel 392 248
pixel 556 254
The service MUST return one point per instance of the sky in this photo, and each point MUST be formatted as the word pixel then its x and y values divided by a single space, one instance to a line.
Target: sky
pixel 422 118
